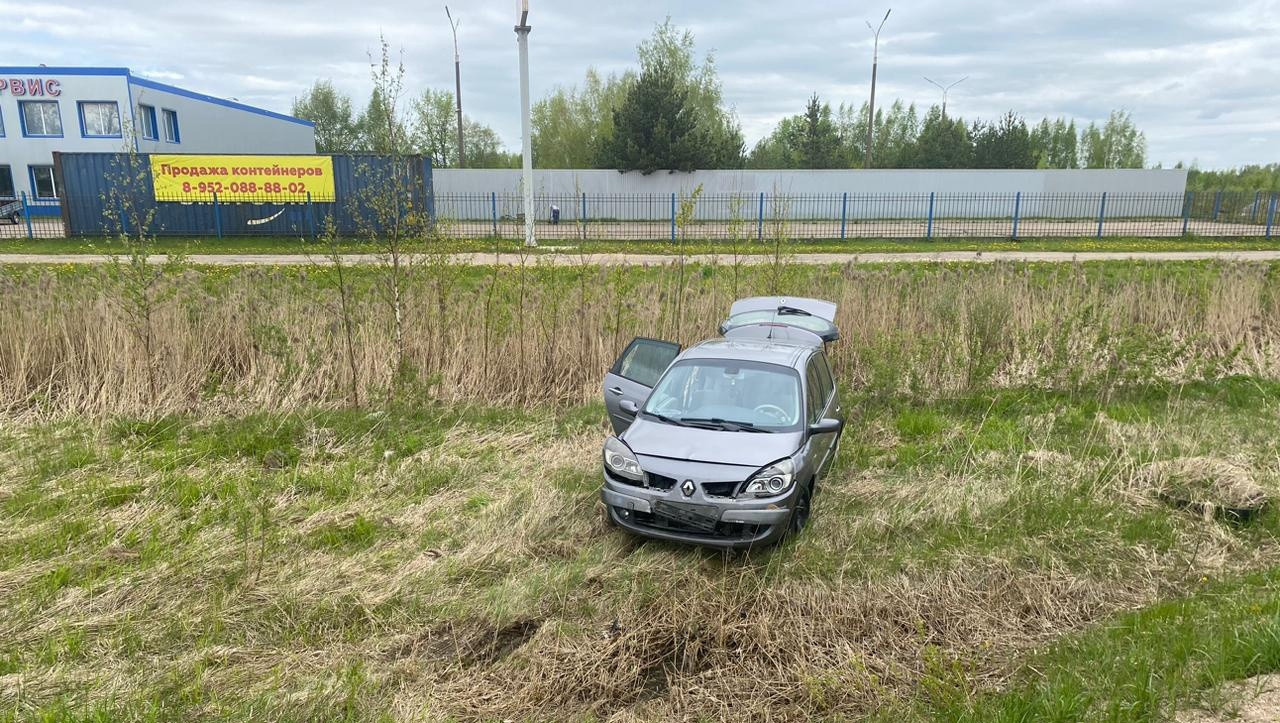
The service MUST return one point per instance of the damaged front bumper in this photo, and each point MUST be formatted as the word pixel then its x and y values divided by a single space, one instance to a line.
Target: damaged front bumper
pixel 663 511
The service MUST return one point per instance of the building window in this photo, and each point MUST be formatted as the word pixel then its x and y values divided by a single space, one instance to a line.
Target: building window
pixel 40 118
pixel 42 183
pixel 171 126
pixel 6 183
pixel 147 119
pixel 1 125
pixel 99 119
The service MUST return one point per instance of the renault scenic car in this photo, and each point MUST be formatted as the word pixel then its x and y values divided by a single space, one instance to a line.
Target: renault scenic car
pixel 724 444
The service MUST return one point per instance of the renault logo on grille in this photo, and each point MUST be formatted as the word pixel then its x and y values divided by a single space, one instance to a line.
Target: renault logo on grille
pixel 687 487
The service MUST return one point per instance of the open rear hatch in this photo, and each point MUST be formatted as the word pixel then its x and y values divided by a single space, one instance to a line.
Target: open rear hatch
pixel 780 318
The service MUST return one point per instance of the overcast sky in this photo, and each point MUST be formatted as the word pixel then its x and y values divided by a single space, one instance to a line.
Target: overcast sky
pixel 1200 78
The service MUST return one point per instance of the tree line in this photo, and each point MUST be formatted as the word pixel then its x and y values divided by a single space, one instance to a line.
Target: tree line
pixel 1250 179
pixel 822 138
pixel 428 127
pixel 670 114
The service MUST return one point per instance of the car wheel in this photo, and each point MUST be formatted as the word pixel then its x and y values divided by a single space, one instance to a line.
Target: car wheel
pixel 800 513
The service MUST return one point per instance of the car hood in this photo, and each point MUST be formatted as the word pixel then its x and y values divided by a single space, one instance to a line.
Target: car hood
pixel 658 439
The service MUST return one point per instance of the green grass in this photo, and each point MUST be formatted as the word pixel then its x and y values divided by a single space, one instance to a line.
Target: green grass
pixel 983 557
pixel 287 245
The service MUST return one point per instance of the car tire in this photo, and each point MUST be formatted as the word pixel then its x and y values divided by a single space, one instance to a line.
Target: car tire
pixel 606 517
pixel 801 512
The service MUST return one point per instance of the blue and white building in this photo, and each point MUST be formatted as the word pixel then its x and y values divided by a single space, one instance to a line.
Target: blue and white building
pixel 45 110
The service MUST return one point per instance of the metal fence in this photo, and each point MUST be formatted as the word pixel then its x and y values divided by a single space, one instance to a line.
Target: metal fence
pixel 848 215
pixel 669 216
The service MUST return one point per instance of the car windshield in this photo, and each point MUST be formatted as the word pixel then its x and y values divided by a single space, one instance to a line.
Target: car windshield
pixel 729 394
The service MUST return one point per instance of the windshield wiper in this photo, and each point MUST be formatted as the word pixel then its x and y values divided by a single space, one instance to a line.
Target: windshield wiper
pixel 668 420
pixel 727 424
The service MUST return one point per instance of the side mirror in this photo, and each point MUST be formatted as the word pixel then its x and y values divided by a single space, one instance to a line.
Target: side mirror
pixel 628 406
pixel 826 426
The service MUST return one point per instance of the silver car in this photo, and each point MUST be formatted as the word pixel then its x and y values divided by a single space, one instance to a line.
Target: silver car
pixel 725 443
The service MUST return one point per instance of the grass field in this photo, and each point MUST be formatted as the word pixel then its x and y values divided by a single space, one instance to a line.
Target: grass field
pixel 239 541
pixel 284 245
pixel 991 557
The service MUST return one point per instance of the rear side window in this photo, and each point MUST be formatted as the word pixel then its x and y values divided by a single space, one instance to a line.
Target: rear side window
pixel 825 375
pixel 813 392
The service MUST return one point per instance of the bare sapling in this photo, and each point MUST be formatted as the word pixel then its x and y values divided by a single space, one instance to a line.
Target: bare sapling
pixel 145 282
pixel 684 217
pixel 390 202
pixel 737 235
pixel 779 236
pixel 348 322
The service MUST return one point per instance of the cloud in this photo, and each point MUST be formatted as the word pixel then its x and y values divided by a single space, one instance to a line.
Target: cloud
pixel 1197 78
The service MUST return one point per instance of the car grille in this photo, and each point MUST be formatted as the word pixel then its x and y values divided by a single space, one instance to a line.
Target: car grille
pixel 660 482
pixel 719 489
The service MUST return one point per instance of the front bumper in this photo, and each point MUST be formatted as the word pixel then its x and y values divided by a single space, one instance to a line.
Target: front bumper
pixel 738 524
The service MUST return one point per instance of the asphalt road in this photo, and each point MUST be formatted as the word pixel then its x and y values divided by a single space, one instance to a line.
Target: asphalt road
pixel 616 259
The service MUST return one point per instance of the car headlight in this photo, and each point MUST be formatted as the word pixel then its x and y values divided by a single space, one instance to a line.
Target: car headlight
pixel 772 480
pixel 620 460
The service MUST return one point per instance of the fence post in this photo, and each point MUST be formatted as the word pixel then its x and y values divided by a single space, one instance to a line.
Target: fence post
pixel 760 219
pixel 1271 213
pixel 1017 213
pixel 1257 203
pixel 584 209
pixel 844 213
pixel 26 214
pixel 673 216
pixel 1187 200
pixel 493 211
pixel 1102 213
pixel 929 229
pixel 1217 205
pixel 217 213
pixel 311 216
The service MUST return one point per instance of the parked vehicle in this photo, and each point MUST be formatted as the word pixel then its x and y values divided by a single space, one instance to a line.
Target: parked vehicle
pixel 11 211
pixel 725 443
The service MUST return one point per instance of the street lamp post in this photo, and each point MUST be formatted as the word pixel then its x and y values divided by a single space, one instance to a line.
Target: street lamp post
pixel 457 84
pixel 871 107
pixel 526 176
pixel 945 90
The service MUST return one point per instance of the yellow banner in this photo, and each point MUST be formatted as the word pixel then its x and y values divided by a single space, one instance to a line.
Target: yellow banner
pixel 280 179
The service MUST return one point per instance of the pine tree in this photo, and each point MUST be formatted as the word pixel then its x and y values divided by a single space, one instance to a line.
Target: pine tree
pixel 656 129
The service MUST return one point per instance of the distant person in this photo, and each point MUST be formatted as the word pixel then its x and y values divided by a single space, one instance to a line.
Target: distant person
pixel 555 215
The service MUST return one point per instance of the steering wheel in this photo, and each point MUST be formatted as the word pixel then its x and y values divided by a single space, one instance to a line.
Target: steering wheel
pixel 773 410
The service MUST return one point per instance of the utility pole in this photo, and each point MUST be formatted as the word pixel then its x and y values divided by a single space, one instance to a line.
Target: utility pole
pixel 457 83
pixel 945 90
pixel 871 107
pixel 526 176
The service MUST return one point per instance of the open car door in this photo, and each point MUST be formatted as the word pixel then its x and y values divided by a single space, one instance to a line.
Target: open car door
pixel 781 318
pixel 633 376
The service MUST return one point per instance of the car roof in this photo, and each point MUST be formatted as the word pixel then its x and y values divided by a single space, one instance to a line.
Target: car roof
pixel 760 350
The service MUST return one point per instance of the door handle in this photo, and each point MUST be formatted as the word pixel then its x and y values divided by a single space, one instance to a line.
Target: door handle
pixel 615 390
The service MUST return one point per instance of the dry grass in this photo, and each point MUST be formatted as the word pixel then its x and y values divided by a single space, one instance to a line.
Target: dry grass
pixel 237 340
pixel 189 569
pixel 193 556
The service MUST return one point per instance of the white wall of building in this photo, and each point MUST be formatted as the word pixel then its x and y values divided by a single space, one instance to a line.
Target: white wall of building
pixel 20 153
pixel 214 126
pixel 465 193
pixel 206 124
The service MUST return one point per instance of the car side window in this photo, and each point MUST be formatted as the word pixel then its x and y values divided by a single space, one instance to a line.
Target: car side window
pixel 645 360
pixel 824 372
pixel 813 392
